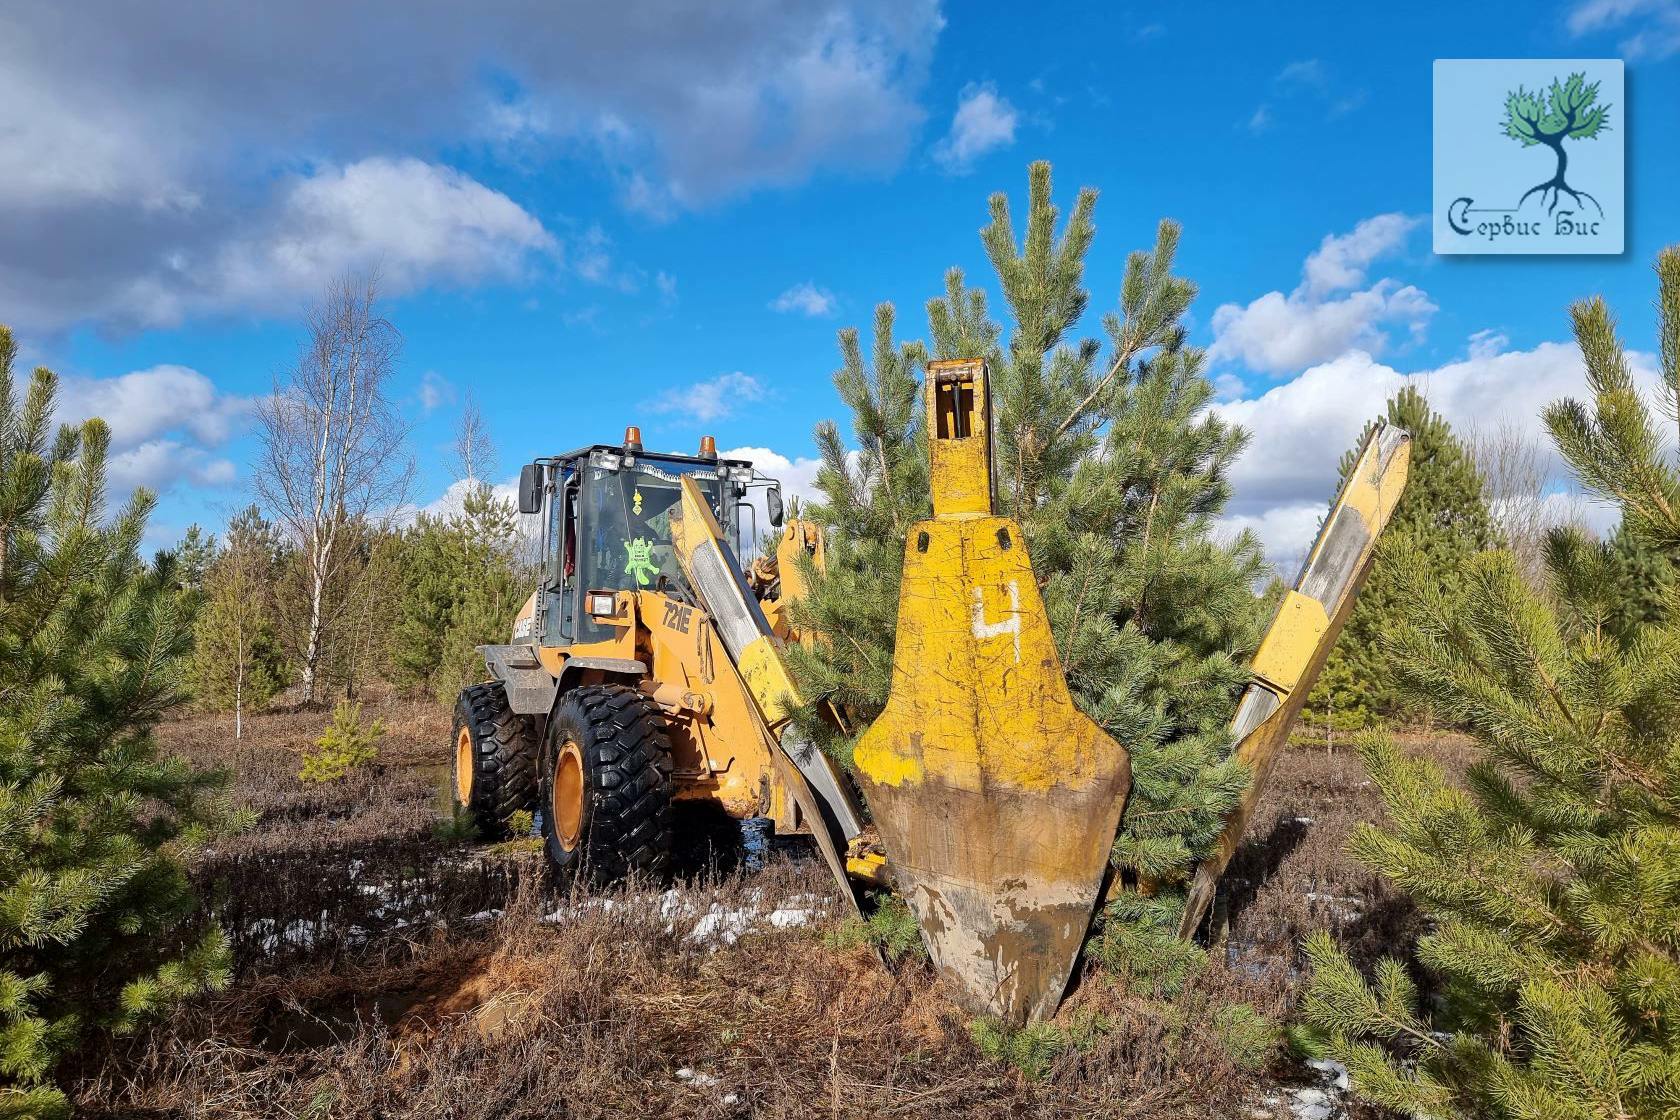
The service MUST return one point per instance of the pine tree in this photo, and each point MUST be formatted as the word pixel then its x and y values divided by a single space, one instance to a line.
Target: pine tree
pixel 463 573
pixel 1441 521
pixel 870 499
pixel 431 579
pixel 462 581
pixel 358 639
pixel 1645 580
pixel 96 914
pixel 237 664
pixel 344 746
pixel 1554 878
pixel 1116 470
pixel 192 556
pixel 1335 709
pixel 492 588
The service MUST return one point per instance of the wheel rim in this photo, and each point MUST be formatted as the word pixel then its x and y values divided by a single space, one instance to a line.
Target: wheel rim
pixel 566 795
pixel 464 767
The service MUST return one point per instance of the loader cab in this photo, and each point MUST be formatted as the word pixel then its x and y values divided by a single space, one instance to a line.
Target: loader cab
pixel 606 515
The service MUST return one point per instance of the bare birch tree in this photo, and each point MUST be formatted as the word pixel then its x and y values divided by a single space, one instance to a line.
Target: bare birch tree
pixel 475 451
pixel 1515 480
pixel 332 457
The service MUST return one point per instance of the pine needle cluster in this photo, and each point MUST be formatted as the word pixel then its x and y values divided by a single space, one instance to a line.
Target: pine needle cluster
pixel 1554 876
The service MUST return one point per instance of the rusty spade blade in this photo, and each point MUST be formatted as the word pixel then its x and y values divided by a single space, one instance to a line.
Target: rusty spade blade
pixel 997 800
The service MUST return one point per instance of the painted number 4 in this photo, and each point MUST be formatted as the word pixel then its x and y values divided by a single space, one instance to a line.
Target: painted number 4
pixel 1011 624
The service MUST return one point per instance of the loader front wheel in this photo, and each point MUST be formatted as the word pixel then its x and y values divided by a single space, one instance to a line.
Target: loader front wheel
pixel 494 759
pixel 606 788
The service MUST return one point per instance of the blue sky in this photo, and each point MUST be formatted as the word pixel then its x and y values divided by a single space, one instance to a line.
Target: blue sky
pixel 655 215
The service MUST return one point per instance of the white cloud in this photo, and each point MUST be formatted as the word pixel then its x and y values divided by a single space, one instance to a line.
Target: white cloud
pixel 166 424
pixel 984 122
pixel 1282 334
pixel 667 285
pixel 714 399
pixel 1306 72
pixel 586 316
pixel 1300 429
pixel 798 475
pixel 1228 386
pixel 528 528
pixel 798 479
pixel 1304 83
pixel 1340 261
pixel 592 259
pixel 806 299
pixel 415 223
pixel 711 97
pixel 1332 326
pixel 145 404
pixel 62 148
pixel 452 500
pixel 162 464
pixel 1285 531
pixel 1654 24
pixel 137 197
pixel 1488 343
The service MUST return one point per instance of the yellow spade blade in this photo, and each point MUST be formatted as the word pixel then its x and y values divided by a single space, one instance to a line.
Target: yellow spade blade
pixel 1301 635
pixel 997 800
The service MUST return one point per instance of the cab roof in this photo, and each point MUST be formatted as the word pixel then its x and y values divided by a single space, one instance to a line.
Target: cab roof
pixel 662 456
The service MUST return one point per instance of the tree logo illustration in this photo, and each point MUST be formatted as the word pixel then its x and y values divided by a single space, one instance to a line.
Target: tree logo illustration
pixel 1566 111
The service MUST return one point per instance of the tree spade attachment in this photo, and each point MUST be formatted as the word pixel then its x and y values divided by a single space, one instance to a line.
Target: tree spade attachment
pixel 997 800
pixel 1306 625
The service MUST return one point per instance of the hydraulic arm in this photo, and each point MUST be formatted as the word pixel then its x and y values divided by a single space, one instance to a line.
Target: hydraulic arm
pixel 721 588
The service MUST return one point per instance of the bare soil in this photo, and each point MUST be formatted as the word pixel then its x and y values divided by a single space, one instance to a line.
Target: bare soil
pixel 383 970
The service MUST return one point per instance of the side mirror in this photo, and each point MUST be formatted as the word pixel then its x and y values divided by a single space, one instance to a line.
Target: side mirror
pixel 530 488
pixel 773 505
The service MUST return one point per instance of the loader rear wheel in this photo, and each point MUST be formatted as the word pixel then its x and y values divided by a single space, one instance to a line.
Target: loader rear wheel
pixel 606 789
pixel 494 768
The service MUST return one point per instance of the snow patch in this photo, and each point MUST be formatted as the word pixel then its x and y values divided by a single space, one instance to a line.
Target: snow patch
pixel 696 921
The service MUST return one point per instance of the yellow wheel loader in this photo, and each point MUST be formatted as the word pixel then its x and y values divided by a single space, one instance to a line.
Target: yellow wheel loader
pixel 627 686
pixel 647 671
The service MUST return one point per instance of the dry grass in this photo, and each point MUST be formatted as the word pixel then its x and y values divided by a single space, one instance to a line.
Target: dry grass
pixel 1292 876
pixel 613 1011
pixel 334 867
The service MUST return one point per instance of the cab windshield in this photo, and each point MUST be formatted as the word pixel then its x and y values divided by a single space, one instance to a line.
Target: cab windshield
pixel 626 522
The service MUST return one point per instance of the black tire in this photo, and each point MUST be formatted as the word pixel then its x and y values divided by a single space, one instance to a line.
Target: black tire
pixel 498 750
pixel 606 786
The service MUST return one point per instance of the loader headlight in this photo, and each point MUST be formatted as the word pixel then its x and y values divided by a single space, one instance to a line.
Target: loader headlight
pixel 601 604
